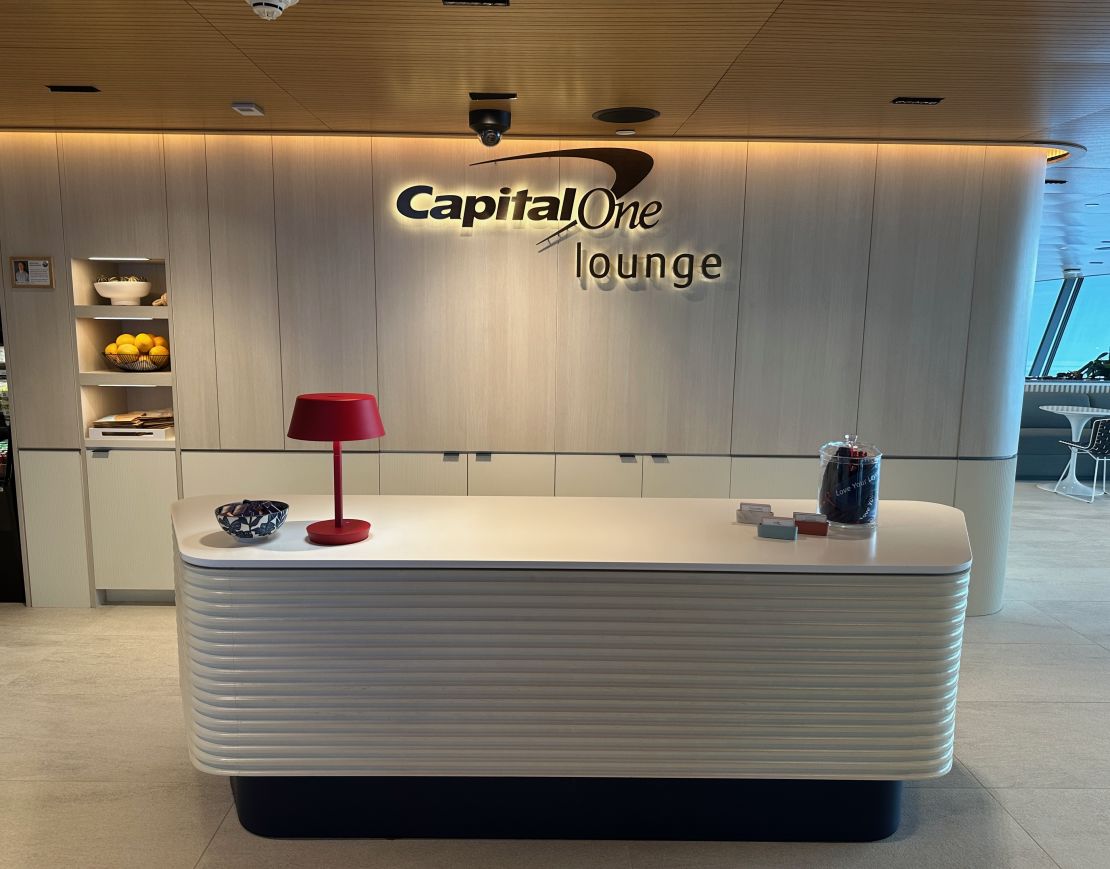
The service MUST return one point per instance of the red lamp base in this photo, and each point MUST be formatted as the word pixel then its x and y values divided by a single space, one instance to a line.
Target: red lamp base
pixel 326 534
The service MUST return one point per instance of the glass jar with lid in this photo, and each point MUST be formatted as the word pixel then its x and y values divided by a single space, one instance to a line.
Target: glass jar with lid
pixel 849 491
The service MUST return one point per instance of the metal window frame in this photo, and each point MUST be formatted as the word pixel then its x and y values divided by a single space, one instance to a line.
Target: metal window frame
pixel 1056 326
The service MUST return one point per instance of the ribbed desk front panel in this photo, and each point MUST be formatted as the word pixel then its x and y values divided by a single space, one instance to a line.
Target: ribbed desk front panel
pixel 518 673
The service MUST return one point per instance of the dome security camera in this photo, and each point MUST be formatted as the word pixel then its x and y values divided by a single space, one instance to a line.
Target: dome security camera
pixel 490 124
pixel 270 9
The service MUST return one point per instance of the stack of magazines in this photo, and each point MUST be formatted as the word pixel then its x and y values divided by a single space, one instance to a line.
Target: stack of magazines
pixel 137 424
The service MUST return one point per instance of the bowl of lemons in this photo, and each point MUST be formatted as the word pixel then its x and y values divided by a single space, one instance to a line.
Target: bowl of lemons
pixel 140 352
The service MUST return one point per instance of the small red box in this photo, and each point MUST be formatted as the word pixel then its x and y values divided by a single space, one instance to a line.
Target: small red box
pixel 812 523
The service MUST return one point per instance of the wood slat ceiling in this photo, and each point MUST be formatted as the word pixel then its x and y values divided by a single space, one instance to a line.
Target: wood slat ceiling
pixel 1008 70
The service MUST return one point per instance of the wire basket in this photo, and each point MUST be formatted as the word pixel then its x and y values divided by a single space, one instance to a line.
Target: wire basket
pixel 137 361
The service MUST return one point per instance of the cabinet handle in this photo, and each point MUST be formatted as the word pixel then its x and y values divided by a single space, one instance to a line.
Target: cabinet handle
pixel 660 457
pixel 450 457
pixel 483 457
pixel 99 454
pixel 627 457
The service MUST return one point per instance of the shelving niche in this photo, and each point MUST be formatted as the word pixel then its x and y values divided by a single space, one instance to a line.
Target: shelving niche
pixel 104 388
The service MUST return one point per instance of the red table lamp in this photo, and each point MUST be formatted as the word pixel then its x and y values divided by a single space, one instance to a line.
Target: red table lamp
pixel 336 417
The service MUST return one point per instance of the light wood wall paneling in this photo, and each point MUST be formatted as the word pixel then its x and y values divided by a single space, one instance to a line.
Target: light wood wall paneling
pixel 244 292
pixel 613 476
pixel 38 327
pixel 271 475
pixel 755 478
pixel 1005 262
pixel 423 473
pixel 985 492
pixel 189 274
pixel 466 317
pixel 323 191
pixel 53 502
pixel 803 295
pixel 646 367
pixel 686 476
pixel 131 548
pixel 510 474
pixel 114 194
pixel 919 297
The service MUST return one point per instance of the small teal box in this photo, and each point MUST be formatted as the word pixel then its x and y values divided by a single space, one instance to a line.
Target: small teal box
pixel 778 528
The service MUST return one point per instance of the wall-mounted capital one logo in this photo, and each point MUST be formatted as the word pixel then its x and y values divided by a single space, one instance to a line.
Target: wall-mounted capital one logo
pixel 595 209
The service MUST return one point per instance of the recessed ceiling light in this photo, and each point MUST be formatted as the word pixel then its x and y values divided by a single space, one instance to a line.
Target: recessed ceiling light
pixel 626 132
pixel 626 115
pixel 1102 248
pixel 1056 181
pixel 478 96
pixel 1096 262
pixel 1092 204
pixel 120 259
pixel 917 101
pixel 249 110
pixel 73 88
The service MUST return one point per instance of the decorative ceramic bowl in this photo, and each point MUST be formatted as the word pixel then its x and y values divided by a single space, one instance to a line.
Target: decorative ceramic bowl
pixel 123 292
pixel 249 520
pixel 137 361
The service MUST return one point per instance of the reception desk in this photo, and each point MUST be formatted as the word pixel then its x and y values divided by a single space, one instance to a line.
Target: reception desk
pixel 582 667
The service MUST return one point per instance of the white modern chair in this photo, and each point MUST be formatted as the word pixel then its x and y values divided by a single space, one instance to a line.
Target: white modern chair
pixel 1098 448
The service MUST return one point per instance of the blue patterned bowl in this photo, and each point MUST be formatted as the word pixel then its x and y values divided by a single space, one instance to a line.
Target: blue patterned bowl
pixel 249 520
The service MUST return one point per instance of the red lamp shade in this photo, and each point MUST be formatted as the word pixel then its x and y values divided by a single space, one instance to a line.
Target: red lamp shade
pixel 336 417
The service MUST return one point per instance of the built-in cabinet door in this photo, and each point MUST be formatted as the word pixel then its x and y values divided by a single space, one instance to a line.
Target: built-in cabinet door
pixel 918 480
pixel 53 504
pixel 760 477
pixel 599 476
pixel 510 474
pixel 274 474
pixel 130 493
pixel 423 474
pixel 686 476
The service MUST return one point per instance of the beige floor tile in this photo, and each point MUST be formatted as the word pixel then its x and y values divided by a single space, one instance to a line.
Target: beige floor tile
pixel 138 737
pixel 1017 671
pixel 1020 622
pixel 1096 588
pixel 1035 744
pixel 66 825
pixel 958 777
pixel 941 829
pixel 1089 618
pixel 124 664
pixel 235 848
pixel 1073 826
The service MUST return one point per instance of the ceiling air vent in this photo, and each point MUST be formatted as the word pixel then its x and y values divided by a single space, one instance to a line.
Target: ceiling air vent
pixel 475 2
pixel 917 101
pixel 73 88
pixel 626 115
pixel 1056 181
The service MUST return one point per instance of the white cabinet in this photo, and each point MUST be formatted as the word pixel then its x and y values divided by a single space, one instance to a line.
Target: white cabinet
pixel 510 474
pixel 599 476
pixel 130 492
pixel 686 476
pixel 53 517
pixel 756 477
pixel 918 480
pixel 271 475
pixel 423 474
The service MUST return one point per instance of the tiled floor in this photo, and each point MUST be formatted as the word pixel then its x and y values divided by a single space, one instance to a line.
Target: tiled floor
pixel 93 771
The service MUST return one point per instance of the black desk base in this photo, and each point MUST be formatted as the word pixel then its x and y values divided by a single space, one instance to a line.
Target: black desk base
pixel 567 808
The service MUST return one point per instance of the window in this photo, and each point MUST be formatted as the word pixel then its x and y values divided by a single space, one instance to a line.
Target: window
pixel 1044 298
pixel 1087 333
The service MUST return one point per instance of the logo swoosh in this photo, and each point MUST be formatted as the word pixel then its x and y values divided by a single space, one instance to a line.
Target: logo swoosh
pixel 629 166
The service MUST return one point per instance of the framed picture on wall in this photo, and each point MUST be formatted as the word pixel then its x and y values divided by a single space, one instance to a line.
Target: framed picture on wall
pixel 32 272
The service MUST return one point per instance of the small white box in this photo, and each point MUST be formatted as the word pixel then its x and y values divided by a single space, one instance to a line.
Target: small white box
pixel 751 514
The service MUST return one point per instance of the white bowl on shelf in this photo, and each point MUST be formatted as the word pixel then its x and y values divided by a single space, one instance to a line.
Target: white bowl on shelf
pixel 123 292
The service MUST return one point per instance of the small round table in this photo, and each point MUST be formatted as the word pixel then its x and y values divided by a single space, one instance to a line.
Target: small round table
pixel 1078 417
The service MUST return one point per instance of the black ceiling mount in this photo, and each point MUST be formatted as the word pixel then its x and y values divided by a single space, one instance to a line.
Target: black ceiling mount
pixel 626 115
pixel 479 96
pixel 475 2
pixel 917 101
pixel 73 88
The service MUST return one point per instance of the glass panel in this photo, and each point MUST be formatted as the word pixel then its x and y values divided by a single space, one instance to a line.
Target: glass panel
pixel 1088 331
pixel 1044 298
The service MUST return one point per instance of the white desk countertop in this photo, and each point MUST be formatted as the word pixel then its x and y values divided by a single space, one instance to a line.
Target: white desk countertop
pixel 672 534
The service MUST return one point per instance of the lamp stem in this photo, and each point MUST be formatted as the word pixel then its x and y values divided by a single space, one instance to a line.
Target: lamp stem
pixel 337 461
